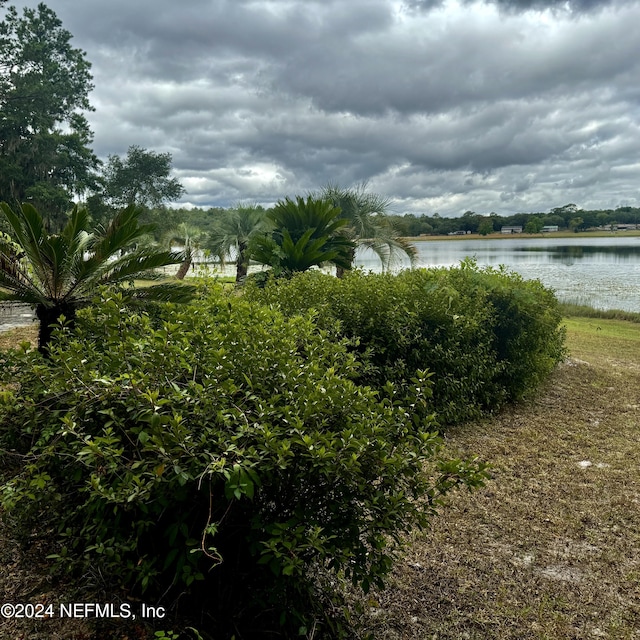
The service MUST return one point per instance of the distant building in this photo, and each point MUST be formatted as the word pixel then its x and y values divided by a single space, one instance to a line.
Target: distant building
pixel 508 230
pixel 625 227
pixel 549 228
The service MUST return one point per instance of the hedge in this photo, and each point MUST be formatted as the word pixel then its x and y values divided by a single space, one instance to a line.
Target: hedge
pixel 220 451
pixel 486 336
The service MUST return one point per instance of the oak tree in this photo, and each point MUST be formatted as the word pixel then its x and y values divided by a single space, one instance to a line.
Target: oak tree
pixel 45 153
pixel 141 178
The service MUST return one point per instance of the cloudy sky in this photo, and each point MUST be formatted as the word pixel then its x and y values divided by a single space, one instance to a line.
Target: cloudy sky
pixel 445 107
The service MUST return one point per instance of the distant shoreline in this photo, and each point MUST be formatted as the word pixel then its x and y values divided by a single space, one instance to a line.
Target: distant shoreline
pixel 515 236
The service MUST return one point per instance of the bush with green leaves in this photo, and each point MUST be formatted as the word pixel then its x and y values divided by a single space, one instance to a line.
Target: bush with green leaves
pixel 485 336
pixel 220 450
pixel 527 330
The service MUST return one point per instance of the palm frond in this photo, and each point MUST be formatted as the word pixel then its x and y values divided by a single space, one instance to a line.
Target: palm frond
pixel 15 278
pixel 17 273
pixel 139 264
pixel 21 295
pixel 28 229
pixel 63 270
pixel 165 292
pixel 265 250
pixel 304 234
pixel 19 282
pixel 77 240
pixel 368 223
pixel 76 227
pixel 120 233
pixel 234 230
pixel 27 224
pixel 185 234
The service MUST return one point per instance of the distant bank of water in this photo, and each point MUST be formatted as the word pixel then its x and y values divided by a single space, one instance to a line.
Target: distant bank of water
pixel 601 272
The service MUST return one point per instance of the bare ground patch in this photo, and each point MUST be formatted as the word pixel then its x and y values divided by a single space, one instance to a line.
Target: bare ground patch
pixel 11 339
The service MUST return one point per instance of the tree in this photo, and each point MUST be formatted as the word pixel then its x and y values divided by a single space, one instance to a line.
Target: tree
pixel 603 219
pixel 534 225
pixel 190 238
pixel 470 221
pixel 485 227
pixel 554 220
pixel 45 157
pixel 232 235
pixel 567 208
pixel 576 223
pixel 60 273
pixel 566 212
pixel 305 233
pixel 367 224
pixel 142 178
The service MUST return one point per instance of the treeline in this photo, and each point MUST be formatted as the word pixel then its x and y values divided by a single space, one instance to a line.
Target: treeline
pixel 568 217
pixel 165 218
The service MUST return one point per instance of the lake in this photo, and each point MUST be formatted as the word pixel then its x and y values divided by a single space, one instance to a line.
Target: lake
pixel 600 272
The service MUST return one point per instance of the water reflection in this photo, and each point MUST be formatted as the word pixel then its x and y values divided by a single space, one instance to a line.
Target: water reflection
pixel 579 252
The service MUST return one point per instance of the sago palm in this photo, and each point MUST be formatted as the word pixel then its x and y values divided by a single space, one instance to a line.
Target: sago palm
pixel 305 233
pixel 367 223
pixel 60 273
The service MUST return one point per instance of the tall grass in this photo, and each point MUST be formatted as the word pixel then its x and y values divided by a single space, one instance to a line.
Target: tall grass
pixel 572 310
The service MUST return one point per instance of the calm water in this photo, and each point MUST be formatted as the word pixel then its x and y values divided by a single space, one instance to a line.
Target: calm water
pixel 601 272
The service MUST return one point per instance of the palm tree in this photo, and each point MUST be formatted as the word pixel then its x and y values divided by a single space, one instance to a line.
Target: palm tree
pixel 60 273
pixel 189 237
pixel 305 233
pixel 232 233
pixel 368 224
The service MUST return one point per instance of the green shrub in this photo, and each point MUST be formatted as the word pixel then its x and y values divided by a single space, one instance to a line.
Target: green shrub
pixel 527 332
pixel 221 450
pixel 485 336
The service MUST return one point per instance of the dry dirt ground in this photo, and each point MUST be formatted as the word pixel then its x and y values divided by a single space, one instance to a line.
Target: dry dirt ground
pixel 549 549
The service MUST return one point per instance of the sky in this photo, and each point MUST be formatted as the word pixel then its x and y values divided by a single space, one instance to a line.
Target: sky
pixel 441 106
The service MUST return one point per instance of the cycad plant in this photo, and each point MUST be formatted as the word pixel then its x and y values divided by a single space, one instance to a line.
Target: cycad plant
pixel 305 233
pixel 60 273
pixel 367 224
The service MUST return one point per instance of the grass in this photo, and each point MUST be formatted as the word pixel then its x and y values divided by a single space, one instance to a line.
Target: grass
pixel 570 310
pixel 549 549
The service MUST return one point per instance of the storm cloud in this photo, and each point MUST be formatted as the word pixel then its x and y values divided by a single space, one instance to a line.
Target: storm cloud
pixel 441 106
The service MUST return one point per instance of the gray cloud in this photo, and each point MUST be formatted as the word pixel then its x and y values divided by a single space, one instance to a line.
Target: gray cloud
pixel 442 107
pixel 561 6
